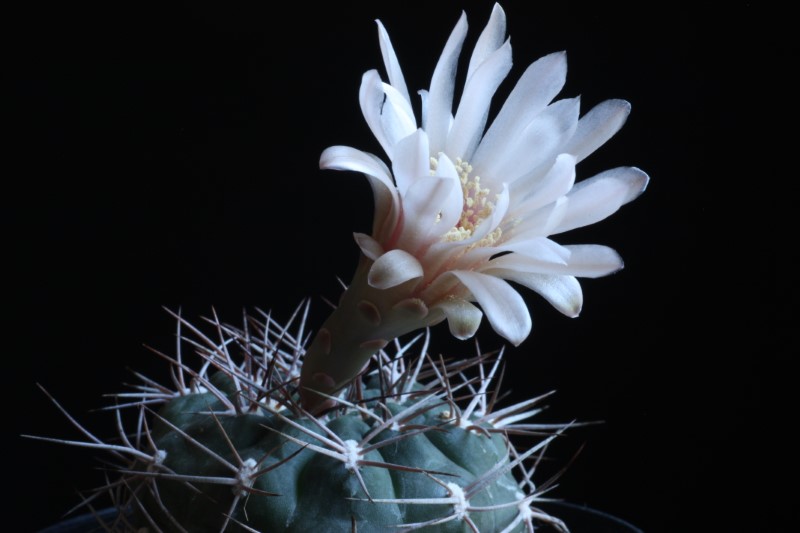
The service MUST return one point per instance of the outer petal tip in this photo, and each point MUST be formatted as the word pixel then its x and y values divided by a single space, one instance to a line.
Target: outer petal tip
pixel 463 318
pixel 393 268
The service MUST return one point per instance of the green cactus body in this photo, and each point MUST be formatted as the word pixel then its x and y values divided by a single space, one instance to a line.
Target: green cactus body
pixel 411 444
pixel 417 472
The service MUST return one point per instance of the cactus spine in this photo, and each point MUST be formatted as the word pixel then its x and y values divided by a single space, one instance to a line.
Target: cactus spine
pixel 413 443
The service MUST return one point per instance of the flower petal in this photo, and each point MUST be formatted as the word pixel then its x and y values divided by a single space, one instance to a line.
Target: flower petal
pixel 397 116
pixel 371 97
pixel 583 261
pixel 473 109
pixel 556 183
pixel 440 99
pixel 592 260
pixel 540 83
pixel 635 179
pixel 537 145
pixel 454 204
pixel 538 223
pixel 538 248
pixel 562 292
pixel 369 246
pixel 426 199
pixel 598 197
pixel 412 160
pixel 491 39
pixel 393 69
pixel 387 201
pixel 503 306
pixel 597 126
pixel 463 318
pixel 347 158
pixel 393 268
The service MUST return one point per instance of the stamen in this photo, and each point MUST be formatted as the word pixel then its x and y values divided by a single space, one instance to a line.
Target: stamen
pixel 477 206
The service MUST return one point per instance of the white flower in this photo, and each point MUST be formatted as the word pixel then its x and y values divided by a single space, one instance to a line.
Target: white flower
pixel 462 212
pixel 458 200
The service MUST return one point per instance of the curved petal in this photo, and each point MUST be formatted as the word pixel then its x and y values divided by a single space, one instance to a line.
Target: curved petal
pixel 454 204
pixel 463 318
pixel 593 260
pixel 390 61
pixel 538 248
pixel 562 292
pixel 397 116
pixel 440 99
pixel 491 39
pixel 537 87
pixel 597 126
pixel 600 196
pixel 387 201
pixel 473 109
pixel 347 158
pixel 369 246
pixel 539 223
pixel 634 178
pixel 412 160
pixel 558 181
pixel 393 268
pixel 584 261
pixel 371 98
pixel 426 199
pixel 537 145
pixel 503 306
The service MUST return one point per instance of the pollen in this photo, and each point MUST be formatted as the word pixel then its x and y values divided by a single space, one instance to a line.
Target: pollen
pixel 477 206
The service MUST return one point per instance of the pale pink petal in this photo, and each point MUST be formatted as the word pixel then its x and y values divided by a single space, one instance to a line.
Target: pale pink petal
pixel 592 260
pixel 597 126
pixel 440 99
pixel 412 160
pixel 491 39
pixel 562 292
pixel 537 87
pixel 397 116
pixel 536 146
pixel 539 223
pixel 369 246
pixel 503 306
pixel 539 248
pixel 584 261
pixel 451 208
pixel 556 183
pixel 423 204
pixel 390 61
pixel 600 196
pixel 393 268
pixel 347 158
pixel 371 97
pixel 635 179
pixel 387 202
pixel 463 318
pixel 473 108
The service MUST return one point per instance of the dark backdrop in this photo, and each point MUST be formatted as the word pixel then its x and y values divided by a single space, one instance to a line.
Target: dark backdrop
pixel 167 156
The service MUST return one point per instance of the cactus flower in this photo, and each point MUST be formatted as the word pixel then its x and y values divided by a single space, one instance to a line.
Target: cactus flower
pixel 461 210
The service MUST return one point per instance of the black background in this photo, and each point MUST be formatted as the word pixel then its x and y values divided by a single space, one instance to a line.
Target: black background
pixel 167 156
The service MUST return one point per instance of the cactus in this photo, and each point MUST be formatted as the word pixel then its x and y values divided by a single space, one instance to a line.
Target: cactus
pixel 413 442
pixel 356 430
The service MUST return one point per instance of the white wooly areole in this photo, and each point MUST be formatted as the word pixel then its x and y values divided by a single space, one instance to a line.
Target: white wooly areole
pixel 462 211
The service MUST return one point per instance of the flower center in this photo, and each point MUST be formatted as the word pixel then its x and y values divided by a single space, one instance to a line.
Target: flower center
pixel 477 205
